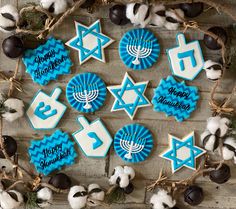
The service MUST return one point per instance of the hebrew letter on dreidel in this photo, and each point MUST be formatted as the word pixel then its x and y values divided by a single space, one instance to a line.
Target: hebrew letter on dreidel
pixel 45 111
pixel 187 54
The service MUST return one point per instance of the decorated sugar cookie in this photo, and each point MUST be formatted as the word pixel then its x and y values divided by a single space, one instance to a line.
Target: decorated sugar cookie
pixel 186 59
pixel 45 111
pixel 182 152
pixel 52 152
pixel 90 42
pixel 133 143
pixel 93 138
pixel 47 62
pixel 86 92
pixel 129 96
pixel 139 49
pixel 175 99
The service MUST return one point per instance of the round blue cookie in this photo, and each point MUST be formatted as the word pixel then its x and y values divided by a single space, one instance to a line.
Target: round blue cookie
pixel 86 92
pixel 133 143
pixel 139 49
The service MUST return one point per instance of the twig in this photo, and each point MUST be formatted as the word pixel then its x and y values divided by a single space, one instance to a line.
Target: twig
pixel 64 191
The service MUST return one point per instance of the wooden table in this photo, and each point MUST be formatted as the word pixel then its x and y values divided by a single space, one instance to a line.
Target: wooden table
pixel 87 170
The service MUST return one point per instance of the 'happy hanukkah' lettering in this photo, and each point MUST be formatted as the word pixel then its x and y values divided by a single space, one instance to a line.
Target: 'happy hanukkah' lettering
pixel 58 157
pixel 175 92
pixel 50 67
pixel 51 151
pixel 39 59
pixel 179 105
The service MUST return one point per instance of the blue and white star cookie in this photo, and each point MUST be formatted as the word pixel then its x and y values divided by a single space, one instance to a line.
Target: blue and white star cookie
pixel 129 96
pixel 183 152
pixel 45 111
pixel 90 42
pixel 133 143
pixel 139 49
pixel 86 92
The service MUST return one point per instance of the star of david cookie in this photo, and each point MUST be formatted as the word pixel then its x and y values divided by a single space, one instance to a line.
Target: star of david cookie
pixel 182 152
pixel 90 42
pixel 129 96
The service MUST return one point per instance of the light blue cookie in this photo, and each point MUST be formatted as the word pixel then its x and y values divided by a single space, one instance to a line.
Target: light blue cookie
pixel 52 152
pixel 174 98
pixel 47 62
pixel 133 143
pixel 139 49
pixel 86 92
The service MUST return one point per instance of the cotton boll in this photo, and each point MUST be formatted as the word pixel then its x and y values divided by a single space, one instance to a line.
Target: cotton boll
pixel 139 14
pixel 77 197
pixel 11 199
pixel 44 197
pixel 229 148
pixel 214 70
pixel 162 200
pixel 123 180
pixel 14 109
pixel 173 20
pixel 158 18
pixel 218 126
pixel 117 171
pixel 8 18
pixel 95 193
pixel 130 171
pixel 56 6
pixel 209 141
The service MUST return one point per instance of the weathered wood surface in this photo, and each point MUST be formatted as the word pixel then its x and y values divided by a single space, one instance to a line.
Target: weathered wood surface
pixel 87 170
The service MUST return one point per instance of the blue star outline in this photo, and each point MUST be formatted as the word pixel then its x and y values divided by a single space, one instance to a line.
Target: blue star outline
pixel 138 91
pixel 96 51
pixel 172 155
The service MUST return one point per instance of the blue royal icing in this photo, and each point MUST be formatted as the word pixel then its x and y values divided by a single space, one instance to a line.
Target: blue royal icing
pixel 86 92
pixel 133 143
pixel 52 152
pixel 47 62
pixel 139 49
pixel 175 99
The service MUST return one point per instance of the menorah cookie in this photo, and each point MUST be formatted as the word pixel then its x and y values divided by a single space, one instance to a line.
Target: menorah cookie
pixel 175 98
pixel 182 152
pixel 47 62
pixel 86 92
pixel 139 49
pixel 52 152
pixel 93 138
pixel 45 111
pixel 90 42
pixel 186 59
pixel 129 96
pixel 133 143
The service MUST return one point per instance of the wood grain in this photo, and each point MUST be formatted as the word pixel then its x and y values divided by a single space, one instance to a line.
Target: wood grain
pixel 87 170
